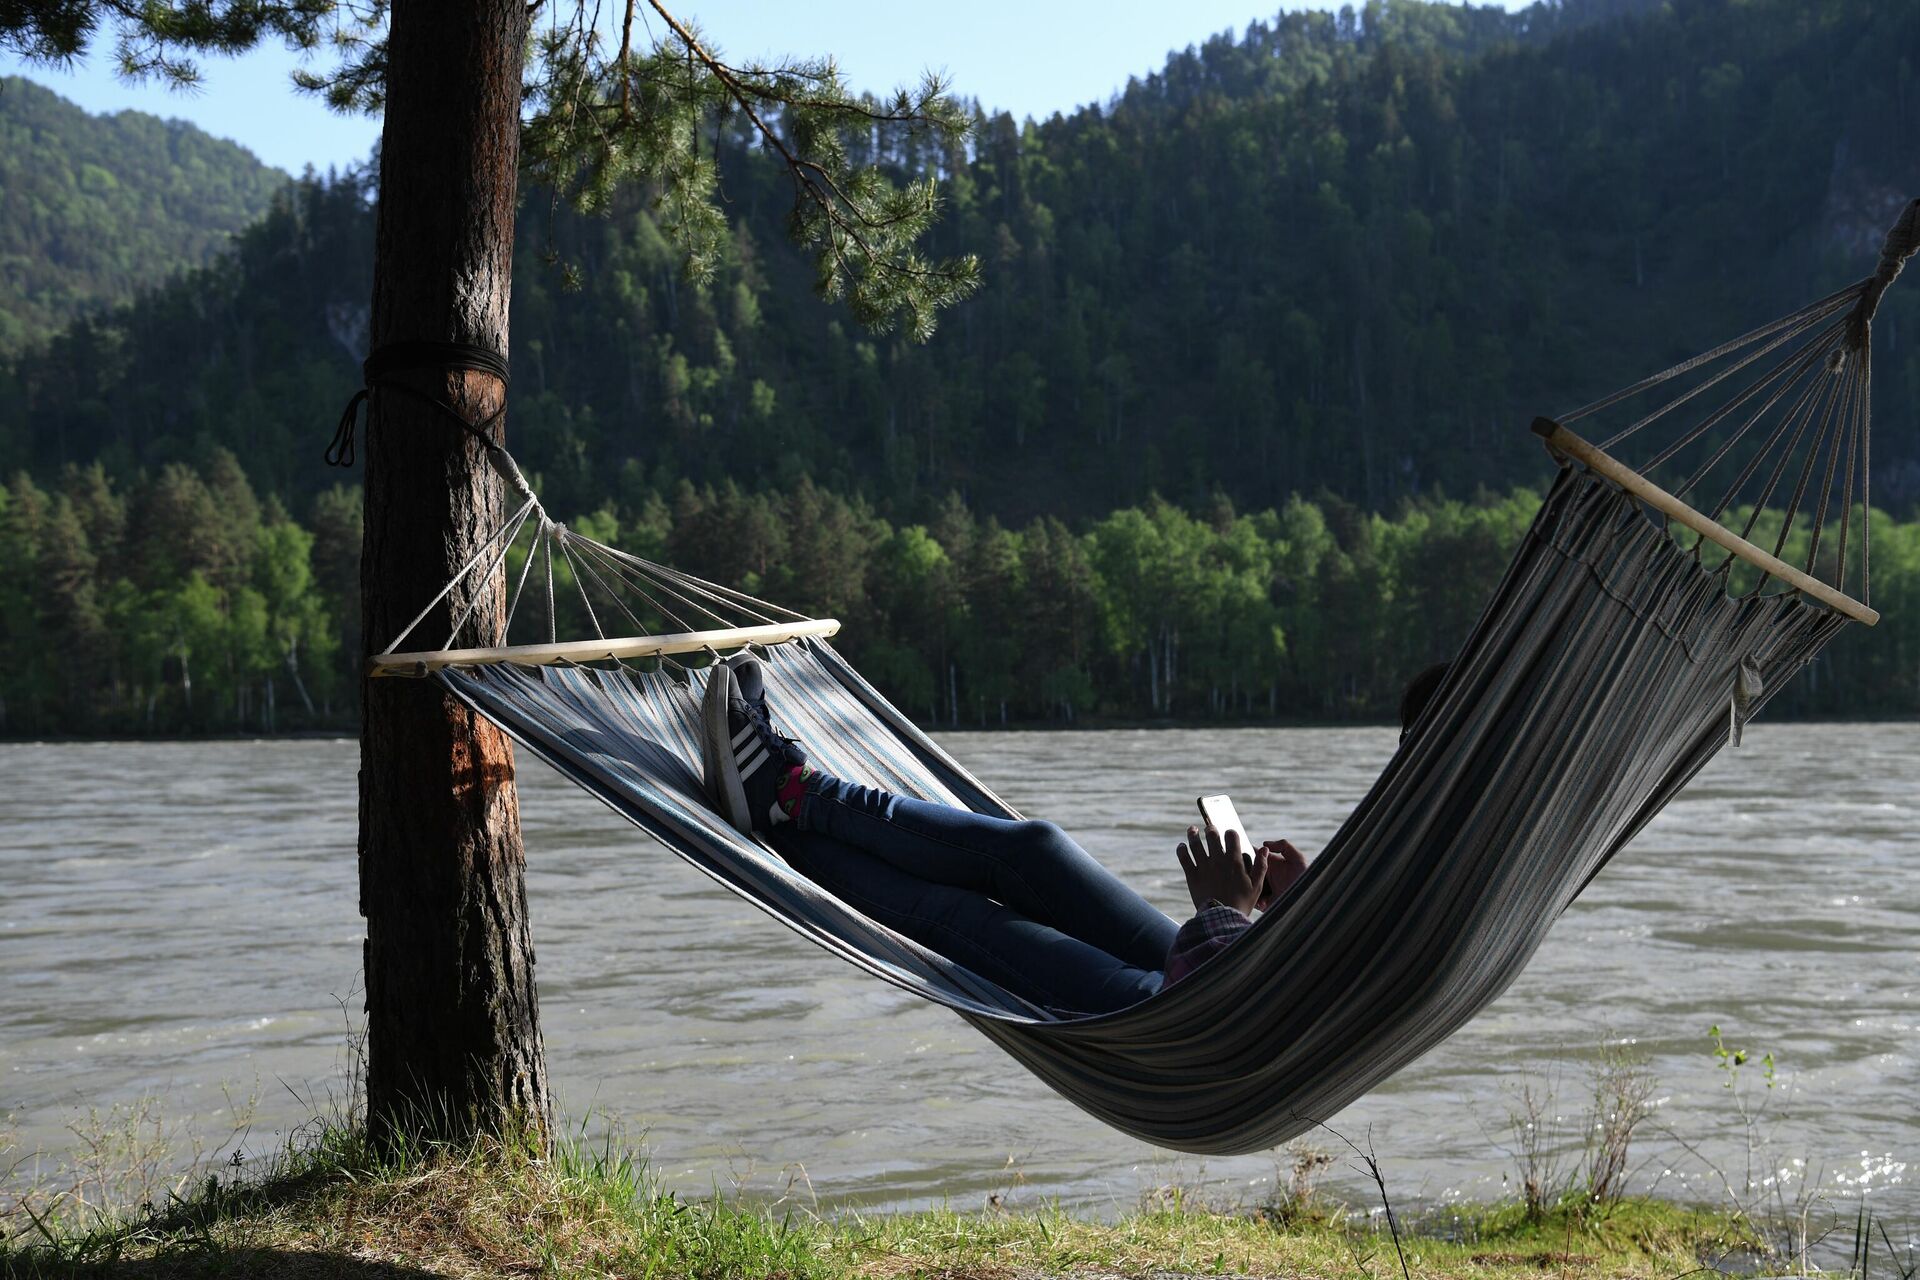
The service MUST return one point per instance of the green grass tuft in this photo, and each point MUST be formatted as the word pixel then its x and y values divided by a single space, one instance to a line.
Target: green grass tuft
pixel 332 1207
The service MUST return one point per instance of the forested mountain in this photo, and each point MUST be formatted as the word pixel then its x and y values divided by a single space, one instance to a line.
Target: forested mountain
pixel 1351 252
pixel 1235 428
pixel 95 208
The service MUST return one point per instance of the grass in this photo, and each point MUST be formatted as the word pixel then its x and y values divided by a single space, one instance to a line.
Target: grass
pixel 331 1207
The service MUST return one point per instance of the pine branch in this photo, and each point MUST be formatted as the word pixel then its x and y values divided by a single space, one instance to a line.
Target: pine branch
pixel 603 123
pixel 154 37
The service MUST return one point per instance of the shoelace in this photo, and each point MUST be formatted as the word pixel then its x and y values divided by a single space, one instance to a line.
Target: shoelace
pixel 757 715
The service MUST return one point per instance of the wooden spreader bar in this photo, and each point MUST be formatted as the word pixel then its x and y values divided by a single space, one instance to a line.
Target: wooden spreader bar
pixel 545 655
pixel 1604 464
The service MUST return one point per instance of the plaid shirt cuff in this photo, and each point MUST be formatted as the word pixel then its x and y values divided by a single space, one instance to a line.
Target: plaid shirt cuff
pixel 1200 939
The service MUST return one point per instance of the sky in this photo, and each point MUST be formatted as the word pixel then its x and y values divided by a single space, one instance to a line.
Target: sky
pixel 1030 57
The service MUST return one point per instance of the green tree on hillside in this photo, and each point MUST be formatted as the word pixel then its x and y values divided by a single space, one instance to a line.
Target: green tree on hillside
pixel 1304 611
pixel 94 209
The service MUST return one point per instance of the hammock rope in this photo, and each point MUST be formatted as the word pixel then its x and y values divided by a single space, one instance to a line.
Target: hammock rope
pixel 377 373
pixel 1825 351
pixel 1611 664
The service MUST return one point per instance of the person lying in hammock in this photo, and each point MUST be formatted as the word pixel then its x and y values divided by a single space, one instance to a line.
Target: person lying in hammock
pixel 1016 901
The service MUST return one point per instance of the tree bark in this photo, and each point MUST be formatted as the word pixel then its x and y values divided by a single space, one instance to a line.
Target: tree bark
pixel 453 1025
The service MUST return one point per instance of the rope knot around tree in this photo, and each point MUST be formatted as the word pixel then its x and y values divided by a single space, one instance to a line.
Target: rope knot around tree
pixel 1902 242
pixel 377 373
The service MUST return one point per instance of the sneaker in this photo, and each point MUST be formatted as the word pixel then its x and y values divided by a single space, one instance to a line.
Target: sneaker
pixel 746 761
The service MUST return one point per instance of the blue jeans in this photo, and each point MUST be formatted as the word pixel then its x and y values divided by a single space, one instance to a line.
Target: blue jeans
pixel 1017 902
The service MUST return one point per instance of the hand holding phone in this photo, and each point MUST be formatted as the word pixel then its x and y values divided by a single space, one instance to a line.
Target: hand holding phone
pixel 1284 862
pixel 1284 866
pixel 1218 813
pixel 1219 864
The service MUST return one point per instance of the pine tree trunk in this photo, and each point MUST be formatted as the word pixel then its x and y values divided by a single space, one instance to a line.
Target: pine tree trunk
pixel 453 1026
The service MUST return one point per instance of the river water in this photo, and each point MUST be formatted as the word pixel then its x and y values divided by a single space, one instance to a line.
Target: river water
pixel 178 922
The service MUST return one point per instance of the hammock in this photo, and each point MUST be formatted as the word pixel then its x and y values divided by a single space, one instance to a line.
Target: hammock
pixel 1612 663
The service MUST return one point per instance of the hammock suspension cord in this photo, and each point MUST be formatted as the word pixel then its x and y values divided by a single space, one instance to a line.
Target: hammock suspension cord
pixel 1816 389
pixel 377 373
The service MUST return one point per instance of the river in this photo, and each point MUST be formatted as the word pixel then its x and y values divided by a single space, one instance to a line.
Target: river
pixel 178 923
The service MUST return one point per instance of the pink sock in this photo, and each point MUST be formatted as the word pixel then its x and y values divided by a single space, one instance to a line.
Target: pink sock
pixel 792 788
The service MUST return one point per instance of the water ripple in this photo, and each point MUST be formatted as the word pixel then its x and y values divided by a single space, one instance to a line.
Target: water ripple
pixel 177 917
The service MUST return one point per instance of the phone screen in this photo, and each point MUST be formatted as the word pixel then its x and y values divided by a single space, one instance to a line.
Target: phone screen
pixel 1219 814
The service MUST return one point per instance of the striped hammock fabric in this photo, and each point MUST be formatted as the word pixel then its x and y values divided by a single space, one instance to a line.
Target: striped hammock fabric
pixel 1608 668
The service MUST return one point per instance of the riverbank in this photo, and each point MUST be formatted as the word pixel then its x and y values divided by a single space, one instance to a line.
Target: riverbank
pixel 331 1209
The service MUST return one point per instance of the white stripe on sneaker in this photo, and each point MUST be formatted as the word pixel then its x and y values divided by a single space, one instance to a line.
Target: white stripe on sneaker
pixel 747 770
pixel 745 733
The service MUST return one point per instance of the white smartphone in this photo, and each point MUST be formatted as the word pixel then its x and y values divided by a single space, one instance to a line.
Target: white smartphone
pixel 1218 812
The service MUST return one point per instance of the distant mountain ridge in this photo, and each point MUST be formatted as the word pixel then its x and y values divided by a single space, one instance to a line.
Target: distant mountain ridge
pixel 95 208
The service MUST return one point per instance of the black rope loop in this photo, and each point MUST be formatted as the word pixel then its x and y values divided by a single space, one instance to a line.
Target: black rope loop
pixel 402 357
pixel 1902 242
